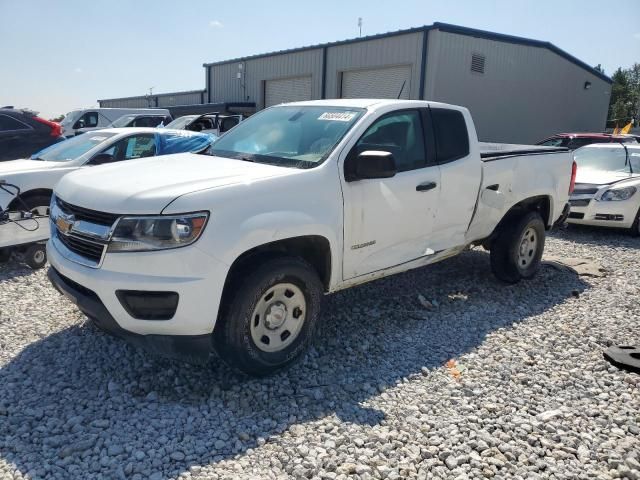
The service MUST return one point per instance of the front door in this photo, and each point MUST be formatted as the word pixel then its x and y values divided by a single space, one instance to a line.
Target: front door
pixel 387 221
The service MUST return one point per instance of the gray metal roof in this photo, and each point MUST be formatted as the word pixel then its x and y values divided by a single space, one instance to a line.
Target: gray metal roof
pixel 153 95
pixel 444 27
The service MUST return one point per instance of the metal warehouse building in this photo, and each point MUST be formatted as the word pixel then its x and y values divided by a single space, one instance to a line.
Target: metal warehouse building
pixel 518 90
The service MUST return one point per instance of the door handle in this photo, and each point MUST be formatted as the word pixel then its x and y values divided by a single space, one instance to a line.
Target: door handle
pixel 425 187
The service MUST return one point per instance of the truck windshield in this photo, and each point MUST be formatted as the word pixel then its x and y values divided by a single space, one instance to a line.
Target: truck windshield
pixel 295 136
pixel 608 158
pixel 73 148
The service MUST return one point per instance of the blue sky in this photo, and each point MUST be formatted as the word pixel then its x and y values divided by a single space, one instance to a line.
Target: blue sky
pixel 57 56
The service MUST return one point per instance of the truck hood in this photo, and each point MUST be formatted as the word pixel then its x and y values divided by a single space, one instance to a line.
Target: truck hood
pixel 23 166
pixel 600 177
pixel 147 186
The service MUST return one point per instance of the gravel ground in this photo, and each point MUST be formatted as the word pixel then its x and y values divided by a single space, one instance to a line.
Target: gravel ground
pixel 436 373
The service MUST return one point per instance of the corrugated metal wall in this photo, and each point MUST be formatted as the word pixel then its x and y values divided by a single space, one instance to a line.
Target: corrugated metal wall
pixel 526 93
pixel 131 102
pixel 180 98
pixel 225 86
pixel 383 52
pixel 190 97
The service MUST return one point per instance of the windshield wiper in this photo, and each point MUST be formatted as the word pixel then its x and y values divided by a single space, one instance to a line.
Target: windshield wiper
pixel 39 158
pixel 247 159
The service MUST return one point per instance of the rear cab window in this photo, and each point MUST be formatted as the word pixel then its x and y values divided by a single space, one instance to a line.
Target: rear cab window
pixel 451 135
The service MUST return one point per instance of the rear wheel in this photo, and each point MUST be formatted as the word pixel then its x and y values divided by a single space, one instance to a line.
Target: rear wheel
pixel 517 250
pixel 5 255
pixel 271 316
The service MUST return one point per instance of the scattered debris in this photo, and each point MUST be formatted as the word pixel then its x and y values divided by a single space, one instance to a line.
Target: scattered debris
pixel 580 266
pixel 424 302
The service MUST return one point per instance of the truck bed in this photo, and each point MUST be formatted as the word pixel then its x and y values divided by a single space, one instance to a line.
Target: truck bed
pixel 495 151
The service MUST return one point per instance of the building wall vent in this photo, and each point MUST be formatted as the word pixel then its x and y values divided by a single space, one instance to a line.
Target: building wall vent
pixel 477 63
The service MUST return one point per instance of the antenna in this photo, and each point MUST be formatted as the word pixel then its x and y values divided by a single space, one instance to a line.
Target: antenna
pixel 401 89
pixel 360 25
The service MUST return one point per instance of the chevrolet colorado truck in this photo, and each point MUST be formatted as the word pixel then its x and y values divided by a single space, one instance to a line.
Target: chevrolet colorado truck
pixel 185 254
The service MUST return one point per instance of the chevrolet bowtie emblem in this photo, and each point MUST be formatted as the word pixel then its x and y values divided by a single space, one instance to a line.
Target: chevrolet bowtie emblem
pixel 65 223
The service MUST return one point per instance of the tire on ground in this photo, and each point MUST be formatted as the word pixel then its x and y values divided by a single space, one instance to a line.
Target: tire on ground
pixel 505 261
pixel 635 228
pixel 36 256
pixel 233 339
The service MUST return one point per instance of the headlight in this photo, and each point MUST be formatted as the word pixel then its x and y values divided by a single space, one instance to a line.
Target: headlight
pixel 141 234
pixel 618 194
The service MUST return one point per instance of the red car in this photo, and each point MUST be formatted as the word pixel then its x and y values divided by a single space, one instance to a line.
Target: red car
pixel 577 140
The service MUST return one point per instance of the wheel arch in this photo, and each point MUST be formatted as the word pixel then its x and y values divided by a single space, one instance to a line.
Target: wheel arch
pixel 539 203
pixel 15 203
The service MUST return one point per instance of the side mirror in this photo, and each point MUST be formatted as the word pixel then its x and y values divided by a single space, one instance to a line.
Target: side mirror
pixel 79 124
pixel 101 158
pixel 373 164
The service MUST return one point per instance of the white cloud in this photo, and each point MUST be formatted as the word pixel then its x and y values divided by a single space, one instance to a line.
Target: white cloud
pixel 78 70
pixel 215 24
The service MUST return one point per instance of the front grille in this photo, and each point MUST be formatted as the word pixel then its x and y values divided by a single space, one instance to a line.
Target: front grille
pixel 583 202
pixel 80 213
pixel 80 246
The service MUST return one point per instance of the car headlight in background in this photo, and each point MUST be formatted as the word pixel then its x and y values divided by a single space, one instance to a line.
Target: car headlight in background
pixel 618 194
pixel 141 234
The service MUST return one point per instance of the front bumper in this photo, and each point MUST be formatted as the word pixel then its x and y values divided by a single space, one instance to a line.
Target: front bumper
pixel 192 348
pixel 196 277
pixel 606 214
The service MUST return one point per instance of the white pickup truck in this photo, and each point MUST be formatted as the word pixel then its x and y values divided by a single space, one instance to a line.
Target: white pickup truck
pixel 185 254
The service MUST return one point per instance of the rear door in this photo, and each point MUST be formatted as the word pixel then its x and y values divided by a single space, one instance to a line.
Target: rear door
pixel 460 177
pixel 388 221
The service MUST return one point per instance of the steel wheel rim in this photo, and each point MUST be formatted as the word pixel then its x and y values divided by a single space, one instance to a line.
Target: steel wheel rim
pixel 278 317
pixel 39 256
pixel 527 249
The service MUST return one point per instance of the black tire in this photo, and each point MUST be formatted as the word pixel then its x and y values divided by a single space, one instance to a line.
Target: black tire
pixel 36 256
pixel 5 255
pixel 635 228
pixel 505 260
pixel 233 338
pixel 35 203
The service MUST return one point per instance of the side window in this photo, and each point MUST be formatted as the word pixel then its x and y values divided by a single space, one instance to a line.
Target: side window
pixel 9 124
pixel 139 146
pixel 147 121
pixel 88 120
pixel 228 123
pixel 136 146
pixel 451 135
pixel 399 133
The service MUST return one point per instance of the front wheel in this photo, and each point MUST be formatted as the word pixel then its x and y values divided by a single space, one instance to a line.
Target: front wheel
pixel 271 316
pixel 517 250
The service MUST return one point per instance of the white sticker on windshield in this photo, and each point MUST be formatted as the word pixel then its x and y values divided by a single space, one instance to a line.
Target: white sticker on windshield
pixel 337 116
pixel 99 139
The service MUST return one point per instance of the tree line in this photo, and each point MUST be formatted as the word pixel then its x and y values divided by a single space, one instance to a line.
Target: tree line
pixel 625 97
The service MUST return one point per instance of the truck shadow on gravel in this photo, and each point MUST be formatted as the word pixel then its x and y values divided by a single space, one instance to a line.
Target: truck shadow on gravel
pixel 79 404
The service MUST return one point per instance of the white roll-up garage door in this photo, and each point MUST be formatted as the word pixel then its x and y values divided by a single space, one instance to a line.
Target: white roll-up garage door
pixel 377 83
pixel 287 90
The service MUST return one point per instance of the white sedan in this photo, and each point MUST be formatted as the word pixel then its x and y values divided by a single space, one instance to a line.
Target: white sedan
pixel 37 176
pixel 607 183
